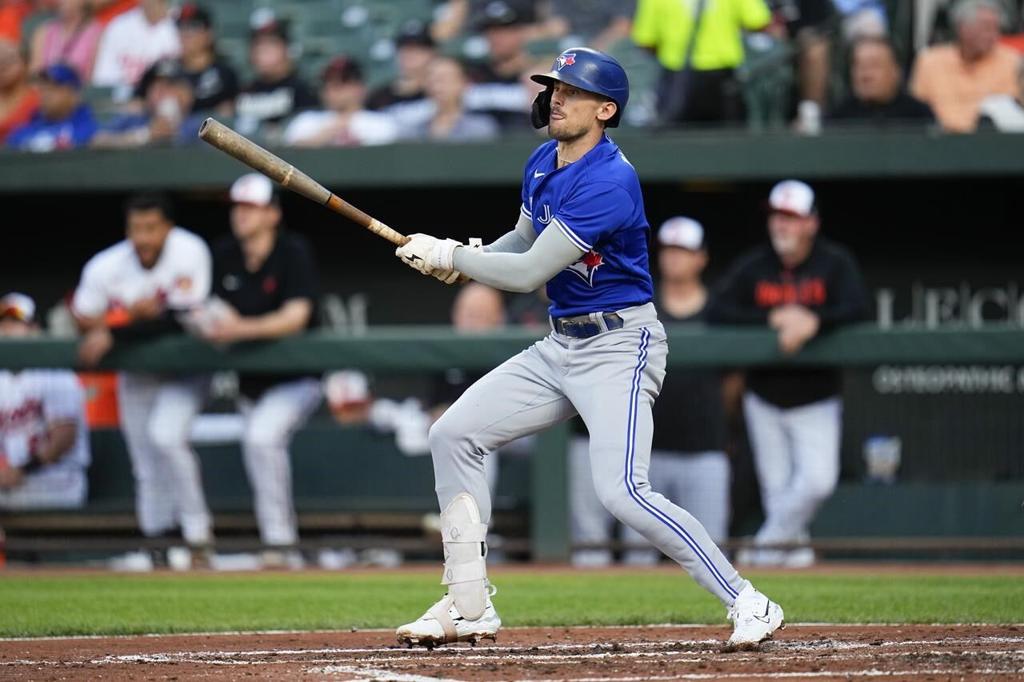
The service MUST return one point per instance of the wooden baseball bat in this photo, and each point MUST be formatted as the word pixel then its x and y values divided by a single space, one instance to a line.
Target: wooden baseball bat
pixel 288 176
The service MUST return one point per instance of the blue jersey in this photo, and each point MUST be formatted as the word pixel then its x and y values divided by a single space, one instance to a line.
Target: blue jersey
pixel 596 203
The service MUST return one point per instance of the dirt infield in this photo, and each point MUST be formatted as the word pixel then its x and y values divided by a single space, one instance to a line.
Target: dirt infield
pixel 932 652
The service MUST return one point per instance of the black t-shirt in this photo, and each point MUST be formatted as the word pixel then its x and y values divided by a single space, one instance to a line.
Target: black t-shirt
pixel 214 85
pixel 902 110
pixel 829 283
pixel 689 416
pixel 500 97
pixel 288 273
pixel 274 101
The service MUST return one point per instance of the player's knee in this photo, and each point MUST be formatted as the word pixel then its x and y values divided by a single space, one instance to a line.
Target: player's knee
pixel 259 437
pixel 615 498
pixel 444 436
pixel 166 437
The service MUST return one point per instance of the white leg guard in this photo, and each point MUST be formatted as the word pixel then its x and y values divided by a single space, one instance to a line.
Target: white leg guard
pixel 465 571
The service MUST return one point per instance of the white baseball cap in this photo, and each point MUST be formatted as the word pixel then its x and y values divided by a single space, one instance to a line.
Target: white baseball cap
pixel 253 188
pixel 686 233
pixel 792 197
pixel 18 306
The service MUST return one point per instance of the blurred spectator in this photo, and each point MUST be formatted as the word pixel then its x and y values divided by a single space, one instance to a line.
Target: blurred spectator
pixel 106 11
pixel 809 24
pixel 862 19
pixel 133 42
pixel 800 285
pixel 214 81
pixel 405 97
pixel 595 23
pixel 688 460
pixel 498 89
pixel 344 122
pixel 276 92
pixel 72 38
pixel 167 116
pixel 63 121
pixel 698 55
pixel 1004 113
pixel 266 281
pixel 12 15
pixel 133 292
pixel 878 97
pixel 450 122
pixel 955 78
pixel 456 17
pixel 18 99
pixel 44 440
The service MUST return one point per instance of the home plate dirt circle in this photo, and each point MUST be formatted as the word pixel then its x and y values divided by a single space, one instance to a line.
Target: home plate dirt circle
pixel 819 652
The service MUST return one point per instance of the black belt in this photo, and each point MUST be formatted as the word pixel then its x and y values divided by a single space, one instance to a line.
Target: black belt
pixel 584 326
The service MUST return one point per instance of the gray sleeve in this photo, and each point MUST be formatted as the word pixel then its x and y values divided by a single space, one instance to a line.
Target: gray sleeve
pixel 523 272
pixel 518 240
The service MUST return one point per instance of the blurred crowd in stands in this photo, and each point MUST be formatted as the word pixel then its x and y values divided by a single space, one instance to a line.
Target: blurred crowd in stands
pixel 128 73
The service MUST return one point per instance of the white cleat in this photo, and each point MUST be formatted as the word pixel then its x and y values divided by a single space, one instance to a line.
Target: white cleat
pixel 755 617
pixel 442 624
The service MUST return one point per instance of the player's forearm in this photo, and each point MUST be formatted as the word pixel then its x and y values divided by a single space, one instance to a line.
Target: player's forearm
pixel 60 439
pixel 291 319
pixel 519 272
pixel 518 240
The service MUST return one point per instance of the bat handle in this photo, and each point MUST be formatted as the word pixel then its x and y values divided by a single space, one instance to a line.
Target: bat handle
pixel 382 230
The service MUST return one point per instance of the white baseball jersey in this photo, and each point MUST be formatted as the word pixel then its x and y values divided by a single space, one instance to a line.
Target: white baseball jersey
pixel 33 399
pixel 114 278
pixel 130 44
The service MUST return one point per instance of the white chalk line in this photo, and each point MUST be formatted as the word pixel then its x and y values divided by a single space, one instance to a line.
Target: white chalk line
pixel 514 628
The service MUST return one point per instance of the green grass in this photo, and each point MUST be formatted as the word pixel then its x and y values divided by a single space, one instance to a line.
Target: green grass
pixel 127 604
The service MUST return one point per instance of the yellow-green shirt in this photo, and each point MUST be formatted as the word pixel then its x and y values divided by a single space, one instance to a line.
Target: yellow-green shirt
pixel 665 25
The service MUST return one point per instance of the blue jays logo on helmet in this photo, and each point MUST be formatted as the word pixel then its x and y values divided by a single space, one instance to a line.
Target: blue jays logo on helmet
pixel 590 70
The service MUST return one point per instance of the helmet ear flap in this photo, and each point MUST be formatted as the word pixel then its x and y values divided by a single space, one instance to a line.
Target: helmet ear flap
pixel 540 114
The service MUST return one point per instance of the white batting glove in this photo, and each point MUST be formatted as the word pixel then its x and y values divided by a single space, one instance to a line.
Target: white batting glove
pixel 428 254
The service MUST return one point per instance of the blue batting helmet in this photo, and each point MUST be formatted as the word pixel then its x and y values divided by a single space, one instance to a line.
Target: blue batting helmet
pixel 588 70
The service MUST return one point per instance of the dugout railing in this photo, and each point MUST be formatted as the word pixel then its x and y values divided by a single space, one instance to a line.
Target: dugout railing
pixel 970 515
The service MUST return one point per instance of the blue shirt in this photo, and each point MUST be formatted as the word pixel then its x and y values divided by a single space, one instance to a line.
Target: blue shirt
pixel 42 135
pixel 596 203
pixel 188 130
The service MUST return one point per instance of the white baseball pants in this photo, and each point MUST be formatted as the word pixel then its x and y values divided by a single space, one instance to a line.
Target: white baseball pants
pixel 156 418
pixel 270 423
pixel 796 456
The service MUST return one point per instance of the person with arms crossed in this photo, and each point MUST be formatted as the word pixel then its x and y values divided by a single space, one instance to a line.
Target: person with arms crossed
pixel 581 229
pixel 800 285
pixel 266 281
pixel 134 291
pixel 44 439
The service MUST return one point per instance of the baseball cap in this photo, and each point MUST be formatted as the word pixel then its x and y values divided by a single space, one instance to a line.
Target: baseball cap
pixel 253 188
pixel 61 74
pixel 192 15
pixel 342 68
pixel 167 69
pixel 685 233
pixel 792 197
pixel 18 306
pixel 414 32
pixel 502 13
pixel 263 22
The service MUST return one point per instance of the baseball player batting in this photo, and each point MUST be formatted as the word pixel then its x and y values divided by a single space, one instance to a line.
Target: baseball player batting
pixel 583 231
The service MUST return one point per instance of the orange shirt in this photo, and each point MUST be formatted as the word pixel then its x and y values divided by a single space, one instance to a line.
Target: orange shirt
pixel 12 14
pixel 955 89
pixel 20 114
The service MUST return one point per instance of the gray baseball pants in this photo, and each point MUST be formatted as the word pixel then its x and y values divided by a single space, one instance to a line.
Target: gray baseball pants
pixel 611 380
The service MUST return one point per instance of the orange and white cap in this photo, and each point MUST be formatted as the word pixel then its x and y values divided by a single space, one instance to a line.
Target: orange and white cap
pixel 17 306
pixel 792 197
pixel 683 232
pixel 253 188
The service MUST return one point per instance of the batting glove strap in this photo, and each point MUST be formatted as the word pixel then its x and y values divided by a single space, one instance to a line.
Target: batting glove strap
pixel 442 254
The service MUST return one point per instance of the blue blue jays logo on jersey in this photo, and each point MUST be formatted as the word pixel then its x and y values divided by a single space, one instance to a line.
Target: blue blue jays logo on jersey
pixel 587 266
pixel 565 59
